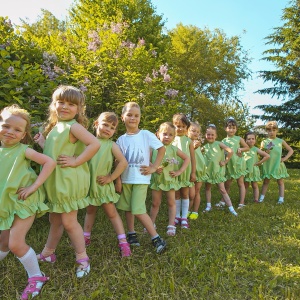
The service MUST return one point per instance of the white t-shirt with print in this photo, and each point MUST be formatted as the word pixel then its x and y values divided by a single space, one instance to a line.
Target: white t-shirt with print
pixel 136 148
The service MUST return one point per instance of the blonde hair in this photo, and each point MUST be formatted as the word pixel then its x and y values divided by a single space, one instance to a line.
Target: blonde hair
pixel 15 110
pixel 164 125
pixel 70 94
pixel 109 117
pixel 196 124
pixel 129 105
pixel 271 125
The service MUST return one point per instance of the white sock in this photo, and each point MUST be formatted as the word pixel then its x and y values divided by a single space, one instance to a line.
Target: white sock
pixel 178 208
pixel 3 254
pixel 231 208
pixel 30 263
pixel 185 203
pixel 280 199
pixel 208 204
pixel 262 197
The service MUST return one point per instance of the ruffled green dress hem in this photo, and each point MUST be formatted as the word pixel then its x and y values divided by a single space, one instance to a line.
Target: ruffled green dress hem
pixel 165 187
pixel 68 207
pixel 25 212
pixel 236 175
pixel 98 201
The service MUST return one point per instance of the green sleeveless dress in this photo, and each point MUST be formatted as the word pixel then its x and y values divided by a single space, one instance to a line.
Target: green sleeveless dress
pixel 273 167
pixel 251 158
pixel 213 154
pixel 236 167
pixel 163 181
pixel 101 164
pixel 15 173
pixel 66 188
pixel 200 166
pixel 183 143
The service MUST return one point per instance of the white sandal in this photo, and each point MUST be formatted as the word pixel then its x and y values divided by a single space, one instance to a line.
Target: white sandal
pixel 171 230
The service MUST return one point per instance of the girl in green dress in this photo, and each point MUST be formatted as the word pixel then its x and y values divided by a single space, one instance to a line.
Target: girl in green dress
pixel 274 167
pixel 187 178
pixel 102 190
pixel 21 193
pixel 194 133
pixel 236 167
pixel 215 161
pixel 71 145
pixel 165 177
pixel 252 163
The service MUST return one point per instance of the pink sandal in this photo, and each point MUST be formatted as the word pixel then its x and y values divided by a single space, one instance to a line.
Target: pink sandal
pixel 184 223
pixel 34 286
pixel 51 258
pixel 83 271
pixel 177 221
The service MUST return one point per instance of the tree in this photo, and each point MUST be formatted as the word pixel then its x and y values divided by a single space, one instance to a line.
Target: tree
pixel 209 68
pixel 285 55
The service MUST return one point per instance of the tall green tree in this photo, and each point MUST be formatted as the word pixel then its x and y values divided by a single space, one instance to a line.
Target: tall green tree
pixel 285 56
pixel 209 70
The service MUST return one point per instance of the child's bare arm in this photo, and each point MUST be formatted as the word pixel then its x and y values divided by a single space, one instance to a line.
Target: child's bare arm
pixel 265 156
pixel 146 170
pixel 120 166
pixel 48 166
pixel 289 149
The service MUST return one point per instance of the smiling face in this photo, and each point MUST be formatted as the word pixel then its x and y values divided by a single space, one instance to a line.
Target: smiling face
pixel 230 130
pixel 211 135
pixel 65 110
pixel 12 130
pixel 131 118
pixel 251 140
pixel 194 132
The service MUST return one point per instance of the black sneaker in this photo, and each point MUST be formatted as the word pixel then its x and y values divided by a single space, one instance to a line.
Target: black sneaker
pixel 132 239
pixel 159 244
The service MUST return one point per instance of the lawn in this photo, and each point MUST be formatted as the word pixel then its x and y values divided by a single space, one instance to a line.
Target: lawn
pixel 253 256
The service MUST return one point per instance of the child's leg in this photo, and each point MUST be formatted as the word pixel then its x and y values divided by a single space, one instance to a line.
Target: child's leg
pixel 111 212
pixel 185 202
pixel 54 236
pixel 242 190
pixel 90 217
pixel 18 246
pixel 130 221
pixel 156 201
pixel 75 233
pixel 172 206
pixel 280 183
pixel 227 185
pixel 178 206
pixel 197 198
pixel 264 189
pixel 4 239
pixel 115 219
pixel 192 194
pixel 147 223
pixel 255 190
pixel 246 184
pixel 208 196
pixel 226 198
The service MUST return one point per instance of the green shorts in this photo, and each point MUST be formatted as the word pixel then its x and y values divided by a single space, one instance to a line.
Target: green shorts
pixel 133 198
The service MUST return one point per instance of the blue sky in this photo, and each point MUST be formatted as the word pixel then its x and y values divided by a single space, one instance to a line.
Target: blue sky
pixel 251 20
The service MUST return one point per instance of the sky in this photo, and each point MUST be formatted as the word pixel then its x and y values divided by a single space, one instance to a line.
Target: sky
pixel 251 20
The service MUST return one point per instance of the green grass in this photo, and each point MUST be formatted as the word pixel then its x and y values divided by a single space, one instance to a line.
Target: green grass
pixel 253 256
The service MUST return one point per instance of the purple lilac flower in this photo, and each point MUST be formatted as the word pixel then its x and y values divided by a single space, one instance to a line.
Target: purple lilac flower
pixel 163 69
pixel 116 28
pixel 154 53
pixel 148 79
pixel 171 93
pixel 167 78
pixel 142 42
pixel 154 74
